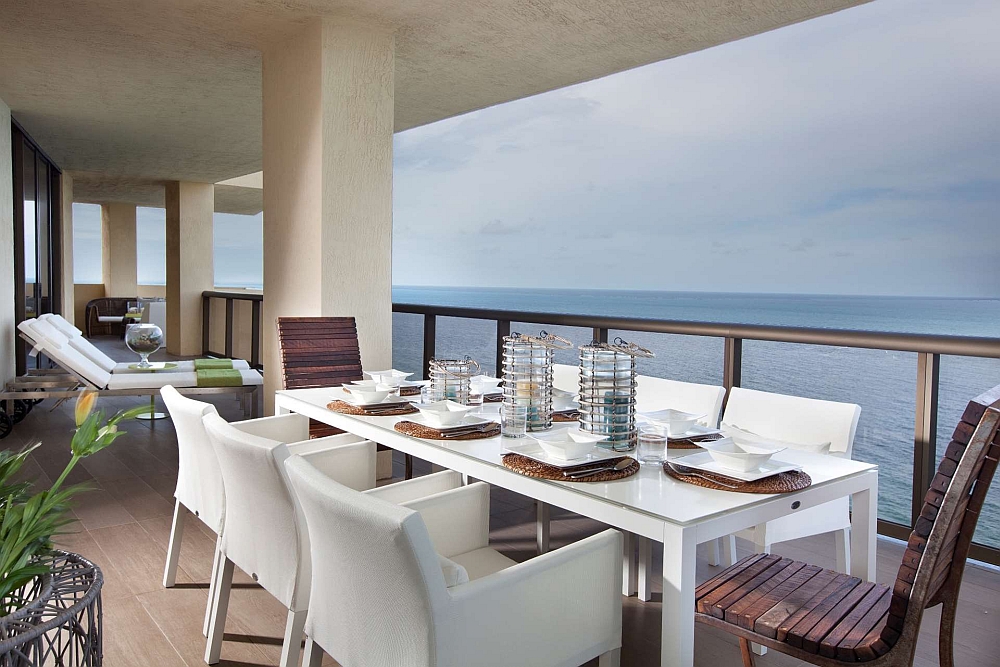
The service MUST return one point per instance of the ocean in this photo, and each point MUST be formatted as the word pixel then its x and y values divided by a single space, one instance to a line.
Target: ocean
pixel 883 383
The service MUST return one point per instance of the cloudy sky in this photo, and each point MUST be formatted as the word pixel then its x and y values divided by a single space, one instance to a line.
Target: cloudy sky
pixel 858 153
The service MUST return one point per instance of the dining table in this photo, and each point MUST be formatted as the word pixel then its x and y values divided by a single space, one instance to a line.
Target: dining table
pixel 649 504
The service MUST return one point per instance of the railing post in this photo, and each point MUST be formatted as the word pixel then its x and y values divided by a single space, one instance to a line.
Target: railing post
pixel 430 338
pixel 206 322
pixel 925 432
pixel 600 335
pixel 732 364
pixel 255 334
pixel 503 330
pixel 230 304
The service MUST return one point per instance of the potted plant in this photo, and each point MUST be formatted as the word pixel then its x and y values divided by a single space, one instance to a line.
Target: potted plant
pixel 50 599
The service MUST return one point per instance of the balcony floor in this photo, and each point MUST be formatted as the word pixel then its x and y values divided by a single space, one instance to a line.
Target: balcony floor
pixel 124 524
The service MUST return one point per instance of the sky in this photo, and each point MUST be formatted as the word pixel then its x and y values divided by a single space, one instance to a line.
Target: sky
pixel 857 153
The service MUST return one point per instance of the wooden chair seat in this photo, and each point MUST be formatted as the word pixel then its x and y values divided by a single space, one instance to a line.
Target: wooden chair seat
pixel 773 600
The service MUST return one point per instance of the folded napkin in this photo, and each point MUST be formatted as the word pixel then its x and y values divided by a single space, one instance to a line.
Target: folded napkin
pixel 213 364
pixel 740 435
pixel 219 377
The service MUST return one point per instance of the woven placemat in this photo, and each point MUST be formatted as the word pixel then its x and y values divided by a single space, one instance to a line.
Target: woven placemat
pixel 783 482
pixel 532 468
pixel 565 417
pixel 409 391
pixel 428 433
pixel 345 408
pixel 691 443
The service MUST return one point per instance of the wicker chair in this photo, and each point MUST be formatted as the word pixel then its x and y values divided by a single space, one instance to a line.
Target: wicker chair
pixel 107 307
pixel 827 618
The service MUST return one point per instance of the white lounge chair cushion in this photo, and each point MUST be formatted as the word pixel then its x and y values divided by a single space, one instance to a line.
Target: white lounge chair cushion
pixel 109 318
pixel 42 332
pixel 62 324
pixel 157 380
pixel 482 562
pixel 184 366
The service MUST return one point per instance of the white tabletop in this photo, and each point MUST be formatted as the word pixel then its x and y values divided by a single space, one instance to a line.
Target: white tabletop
pixel 650 491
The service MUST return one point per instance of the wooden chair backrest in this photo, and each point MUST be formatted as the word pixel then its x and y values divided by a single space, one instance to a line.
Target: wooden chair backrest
pixel 935 555
pixel 318 351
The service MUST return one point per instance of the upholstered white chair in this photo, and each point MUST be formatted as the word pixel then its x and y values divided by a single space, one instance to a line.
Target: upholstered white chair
pixel 418 585
pixel 800 423
pixel 260 534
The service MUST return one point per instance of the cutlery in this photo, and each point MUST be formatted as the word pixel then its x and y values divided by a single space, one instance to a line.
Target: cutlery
pixel 621 465
pixel 584 467
pixel 678 470
pixel 466 430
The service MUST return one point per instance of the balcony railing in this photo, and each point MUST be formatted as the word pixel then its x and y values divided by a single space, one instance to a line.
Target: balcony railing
pixel 231 299
pixel 928 349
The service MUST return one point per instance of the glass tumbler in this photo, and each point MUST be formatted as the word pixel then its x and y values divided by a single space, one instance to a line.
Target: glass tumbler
pixel 652 448
pixel 513 420
pixel 431 394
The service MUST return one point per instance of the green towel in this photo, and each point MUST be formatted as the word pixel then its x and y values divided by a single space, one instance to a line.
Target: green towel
pixel 213 364
pixel 219 377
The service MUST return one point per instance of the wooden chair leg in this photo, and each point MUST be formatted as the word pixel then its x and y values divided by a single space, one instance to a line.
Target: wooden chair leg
pixel 174 545
pixel 213 585
pixel 746 653
pixel 313 654
pixel 220 608
pixel 843 539
pixel 946 636
pixel 292 643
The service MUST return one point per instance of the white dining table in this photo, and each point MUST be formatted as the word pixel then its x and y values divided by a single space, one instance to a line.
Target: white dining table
pixel 649 503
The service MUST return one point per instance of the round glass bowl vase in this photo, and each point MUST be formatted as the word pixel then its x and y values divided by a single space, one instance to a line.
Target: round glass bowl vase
pixel 144 340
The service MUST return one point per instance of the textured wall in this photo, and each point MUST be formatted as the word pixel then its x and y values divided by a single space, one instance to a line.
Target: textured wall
pixel 119 255
pixel 66 242
pixel 190 269
pixel 328 104
pixel 7 331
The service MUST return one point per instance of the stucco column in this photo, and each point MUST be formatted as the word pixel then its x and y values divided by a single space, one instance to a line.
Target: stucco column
pixel 66 248
pixel 190 208
pixel 327 130
pixel 118 241
pixel 7 331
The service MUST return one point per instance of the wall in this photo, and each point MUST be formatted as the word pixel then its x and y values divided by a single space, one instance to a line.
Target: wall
pixel 66 242
pixel 7 331
pixel 82 293
pixel 152 291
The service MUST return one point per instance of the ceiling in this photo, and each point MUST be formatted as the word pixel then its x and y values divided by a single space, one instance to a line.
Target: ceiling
pixel 126 95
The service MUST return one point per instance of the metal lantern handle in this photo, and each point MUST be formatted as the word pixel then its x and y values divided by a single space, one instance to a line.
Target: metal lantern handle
pixel 440 365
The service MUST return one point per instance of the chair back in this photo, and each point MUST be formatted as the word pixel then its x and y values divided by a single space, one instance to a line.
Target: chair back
pixel 318 351
pixel 934 560
pixel 199 479
pixel 793 419
pixel 658 394
pixel 106 307
pixel 373 601
pixel 260 534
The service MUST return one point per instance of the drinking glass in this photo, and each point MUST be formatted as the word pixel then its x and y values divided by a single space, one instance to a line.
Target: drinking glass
pixel 652 447
pixel 431 394
pixel 513 420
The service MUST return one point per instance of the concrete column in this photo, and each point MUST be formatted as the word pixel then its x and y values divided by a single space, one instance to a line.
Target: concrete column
pixel 66 244
pixel 327 131
pixel 118 240
pixel 190 207
pixel 7 331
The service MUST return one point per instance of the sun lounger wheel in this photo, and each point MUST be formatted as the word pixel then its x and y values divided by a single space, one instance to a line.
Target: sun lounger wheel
pixel 6 425
pixel 21 410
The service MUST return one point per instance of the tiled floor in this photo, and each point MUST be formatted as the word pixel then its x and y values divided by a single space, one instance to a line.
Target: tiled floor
pixel 124 523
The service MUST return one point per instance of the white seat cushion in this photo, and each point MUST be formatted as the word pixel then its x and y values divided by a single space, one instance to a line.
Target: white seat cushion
pixel 183 366
pixel 109 318
pixel 157 380
pixel 61 323
pixel 454 574
pixel 483 562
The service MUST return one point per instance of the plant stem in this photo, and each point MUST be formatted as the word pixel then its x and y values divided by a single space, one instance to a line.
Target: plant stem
pixel 69 466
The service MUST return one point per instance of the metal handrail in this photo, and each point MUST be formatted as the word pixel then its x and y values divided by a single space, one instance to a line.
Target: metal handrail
pixel 928 348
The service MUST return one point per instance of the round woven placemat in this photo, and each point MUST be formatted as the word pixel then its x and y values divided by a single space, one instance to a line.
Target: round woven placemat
pixel 428 433
pixel 345 408
pixel 783 482
pixel 532 468
pixel 565 417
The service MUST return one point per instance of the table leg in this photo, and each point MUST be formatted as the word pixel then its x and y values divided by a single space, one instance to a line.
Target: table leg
pixel 152 414
pixel 864 521
pixel 542 527
pixel 679 554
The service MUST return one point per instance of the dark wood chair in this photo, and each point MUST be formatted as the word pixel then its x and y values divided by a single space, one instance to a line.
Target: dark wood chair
pixel 106 307
pixel 827 618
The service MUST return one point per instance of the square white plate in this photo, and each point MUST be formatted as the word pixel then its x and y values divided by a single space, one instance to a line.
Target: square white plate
pixel 531 449
pixel 348 397
pixel 704 461
pixel 468 420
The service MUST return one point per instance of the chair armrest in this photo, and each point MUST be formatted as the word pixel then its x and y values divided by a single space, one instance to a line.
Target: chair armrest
pixel 458 520
pixel 564 608
pixel 292 427
pixel 418 487
pixel 319 444
pixel 352 464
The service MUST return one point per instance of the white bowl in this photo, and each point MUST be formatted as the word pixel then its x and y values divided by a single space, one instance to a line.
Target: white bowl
pixel 567 444
pixel 390 378
pixel 484 384
pixel 368 394
pixel 443 413
pixel 371 384
pixel 676 422
pixel 743 458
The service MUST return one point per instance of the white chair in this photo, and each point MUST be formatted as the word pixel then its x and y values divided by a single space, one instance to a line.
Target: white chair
pixel 383 597
pixel 799 423
pixel 260 533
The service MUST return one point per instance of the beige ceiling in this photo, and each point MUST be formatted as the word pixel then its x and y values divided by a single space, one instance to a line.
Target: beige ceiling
pixel 136 93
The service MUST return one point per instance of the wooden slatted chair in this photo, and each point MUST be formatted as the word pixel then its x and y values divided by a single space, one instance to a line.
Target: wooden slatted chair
pixel 828 618
pixel 318 352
